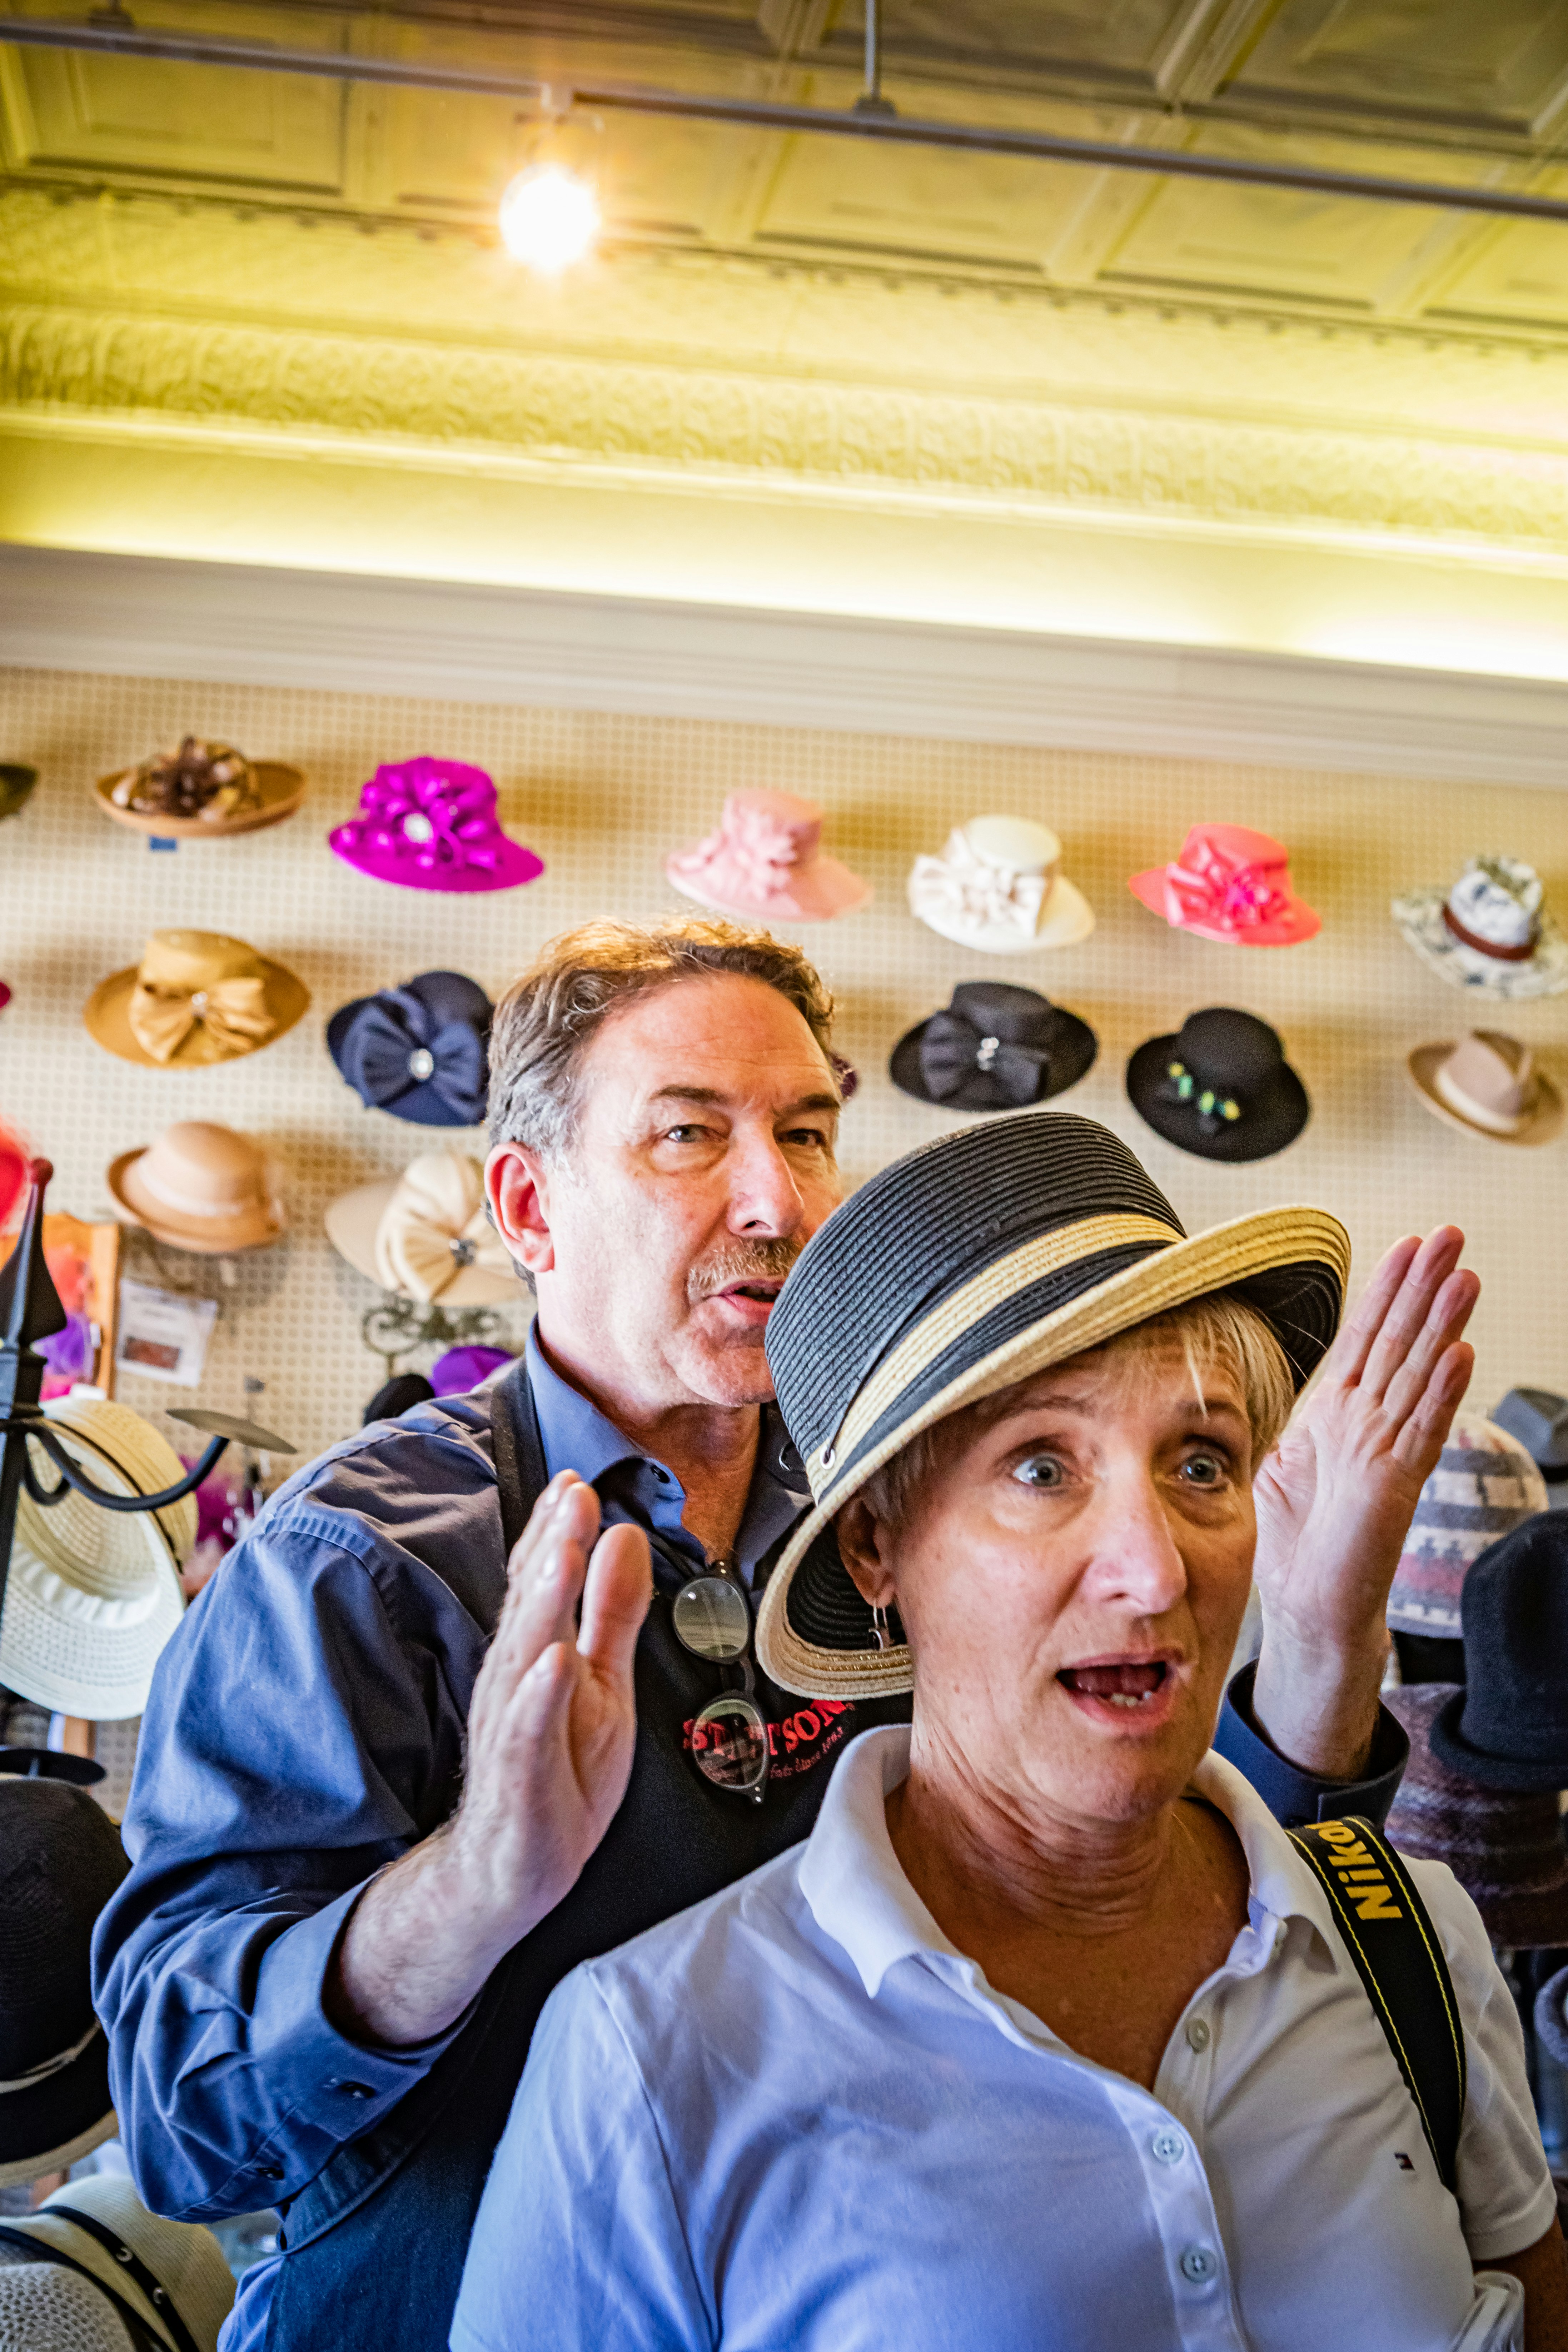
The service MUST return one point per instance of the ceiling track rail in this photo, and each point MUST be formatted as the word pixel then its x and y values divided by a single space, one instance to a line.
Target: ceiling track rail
pixel 554 98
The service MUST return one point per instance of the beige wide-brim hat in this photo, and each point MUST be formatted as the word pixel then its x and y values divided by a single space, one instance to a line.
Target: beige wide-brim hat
pixel 998 889
pixel 282 789
pixel 93 1596
pixel 354 1224
pixel 200 1187
pixel 205 997
pixel 185 2261
pixel 1543 1122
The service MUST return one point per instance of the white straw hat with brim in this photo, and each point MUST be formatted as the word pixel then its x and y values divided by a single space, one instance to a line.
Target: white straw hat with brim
pixel 1487 1084
pixel 201 1188
pixel 151 2264
pixel 425 1235
pixel 94 1595
pixel 961 1268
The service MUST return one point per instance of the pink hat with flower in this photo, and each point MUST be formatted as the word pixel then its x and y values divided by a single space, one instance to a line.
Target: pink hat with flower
pixel 432 823
pixel 766 861
pixel 1232 884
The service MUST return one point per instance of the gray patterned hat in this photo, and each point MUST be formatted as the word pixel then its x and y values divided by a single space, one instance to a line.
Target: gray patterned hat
pixel 1490 933
pixel 1484 1484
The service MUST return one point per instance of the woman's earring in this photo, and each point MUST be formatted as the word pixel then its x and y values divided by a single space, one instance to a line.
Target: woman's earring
pixel 880 1633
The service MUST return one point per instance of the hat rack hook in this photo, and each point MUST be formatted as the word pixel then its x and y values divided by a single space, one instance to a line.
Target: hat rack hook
pixel 30 1311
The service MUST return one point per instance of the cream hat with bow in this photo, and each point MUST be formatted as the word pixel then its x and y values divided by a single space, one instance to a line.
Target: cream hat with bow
pixel 195 998
pixel 1487 1085
pixel 426 1235
pixel 998 887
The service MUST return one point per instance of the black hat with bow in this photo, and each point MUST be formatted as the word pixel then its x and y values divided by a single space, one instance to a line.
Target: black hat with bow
pixel 996 1047
pixel 417 1051
pixel 1220 1086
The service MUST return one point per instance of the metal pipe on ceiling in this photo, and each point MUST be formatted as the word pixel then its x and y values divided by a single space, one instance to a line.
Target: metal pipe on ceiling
pixel 115 40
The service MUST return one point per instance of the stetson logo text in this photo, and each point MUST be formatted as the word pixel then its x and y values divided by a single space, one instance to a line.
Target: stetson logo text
pixel 1359 1871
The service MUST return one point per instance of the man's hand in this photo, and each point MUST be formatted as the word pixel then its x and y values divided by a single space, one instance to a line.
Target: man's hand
pixel 551 1727
pixel 1336 1496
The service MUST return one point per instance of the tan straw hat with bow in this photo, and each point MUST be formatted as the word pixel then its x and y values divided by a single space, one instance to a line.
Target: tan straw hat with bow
pixel 195 998
pixel 424 1234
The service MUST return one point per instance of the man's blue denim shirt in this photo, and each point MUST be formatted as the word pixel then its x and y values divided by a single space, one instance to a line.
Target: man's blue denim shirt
pixel 304 1731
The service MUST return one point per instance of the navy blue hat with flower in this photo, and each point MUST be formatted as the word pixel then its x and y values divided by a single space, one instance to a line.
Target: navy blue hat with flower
pixel 417 1051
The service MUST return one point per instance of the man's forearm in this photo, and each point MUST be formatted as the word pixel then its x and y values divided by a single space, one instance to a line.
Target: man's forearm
pixel 413 1954
pixel 1318 1705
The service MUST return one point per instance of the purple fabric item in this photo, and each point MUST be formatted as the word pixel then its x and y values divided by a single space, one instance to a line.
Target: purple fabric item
pixel 465 1368
pixel 431 824
pixel 69 1352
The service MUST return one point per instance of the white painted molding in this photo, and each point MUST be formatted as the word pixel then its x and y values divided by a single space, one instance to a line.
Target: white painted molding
pixel 155 617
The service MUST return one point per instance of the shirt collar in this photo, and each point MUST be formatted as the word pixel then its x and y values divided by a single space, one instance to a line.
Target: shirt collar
pixel 853 1881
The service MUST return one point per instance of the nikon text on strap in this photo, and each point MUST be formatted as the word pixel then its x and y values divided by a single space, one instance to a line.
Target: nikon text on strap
pixel 1385 1929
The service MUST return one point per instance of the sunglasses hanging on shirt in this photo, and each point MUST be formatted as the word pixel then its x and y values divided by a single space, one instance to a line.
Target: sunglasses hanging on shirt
pixel 712 1615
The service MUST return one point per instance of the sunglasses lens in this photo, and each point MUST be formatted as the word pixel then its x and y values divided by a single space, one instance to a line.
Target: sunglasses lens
pixel 730 1742
pixel 713 1620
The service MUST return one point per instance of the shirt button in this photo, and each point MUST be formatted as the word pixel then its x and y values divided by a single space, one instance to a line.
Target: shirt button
pixel 270 2172
pixel 1199 2264
pixel 356 2090
pixel 1197 2033
pixel 662 1475
pixel 1169 2146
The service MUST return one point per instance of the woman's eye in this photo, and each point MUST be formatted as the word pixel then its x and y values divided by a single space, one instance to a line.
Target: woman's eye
pixel 1040 1470
pixel 1204 1470
pixel 681 1134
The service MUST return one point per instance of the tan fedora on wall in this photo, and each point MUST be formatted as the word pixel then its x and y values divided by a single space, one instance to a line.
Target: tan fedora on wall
pixel 1489 1086
pixel 201 1188
pixel 195 998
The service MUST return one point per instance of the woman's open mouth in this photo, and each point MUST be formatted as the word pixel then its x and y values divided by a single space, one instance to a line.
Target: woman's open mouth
pixel 1128 1690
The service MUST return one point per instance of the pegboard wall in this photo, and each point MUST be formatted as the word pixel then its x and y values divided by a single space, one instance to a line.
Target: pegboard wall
pixel 602 798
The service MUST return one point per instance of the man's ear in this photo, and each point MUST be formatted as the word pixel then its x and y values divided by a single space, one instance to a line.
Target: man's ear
pixel 517 1185
pixel 863 1548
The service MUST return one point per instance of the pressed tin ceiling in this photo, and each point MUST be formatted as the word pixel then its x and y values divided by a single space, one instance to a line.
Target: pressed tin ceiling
pixel 204 270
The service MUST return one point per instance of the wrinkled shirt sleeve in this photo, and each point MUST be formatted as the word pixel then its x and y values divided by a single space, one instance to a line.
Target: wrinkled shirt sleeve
pixel 282 1762
pixel 579 2246
pixel 1293 1796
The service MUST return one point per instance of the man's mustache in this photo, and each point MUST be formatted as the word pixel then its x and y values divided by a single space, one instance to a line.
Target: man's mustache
pixel 766 1260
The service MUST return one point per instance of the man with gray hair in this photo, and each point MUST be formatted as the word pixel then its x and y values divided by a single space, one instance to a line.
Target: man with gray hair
pixel 476 1699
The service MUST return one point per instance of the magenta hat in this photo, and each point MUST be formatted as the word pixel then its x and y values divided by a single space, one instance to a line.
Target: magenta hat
pixel 766 861
pixel 1232 884
pixel 431 823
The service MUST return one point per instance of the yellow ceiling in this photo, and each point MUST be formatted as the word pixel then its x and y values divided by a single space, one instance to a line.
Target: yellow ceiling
pixel 253 314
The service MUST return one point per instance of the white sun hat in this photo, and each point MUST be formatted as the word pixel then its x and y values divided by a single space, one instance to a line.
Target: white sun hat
pixel 93 1595
pixel 998 887
pixel 150 2268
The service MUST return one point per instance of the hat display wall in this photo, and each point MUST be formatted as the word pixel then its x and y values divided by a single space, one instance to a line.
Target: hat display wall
pixel 996 1048
pixel 1232 884
pixel 431 824
pixel 93 1595
pixel 1220 1086
pixel 426 1235
pixel 1487 1085
pixel 199 1187
pixel 1538 1418
pixel 202 791
pixel 765 862
pixel 1508 1727
pixel 1484 1485
pixel 154 2267
pixel 991 1253
pixel 196 998
pixel 1492 932
pixel 417 1051
pixel 15 783
pixel 60 1861
pixel 997 887
pixel 1505 1847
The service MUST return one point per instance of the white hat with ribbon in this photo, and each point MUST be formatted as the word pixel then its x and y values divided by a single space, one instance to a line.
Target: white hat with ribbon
pixel 998 887
pixel 425 1235
pixel 1491 933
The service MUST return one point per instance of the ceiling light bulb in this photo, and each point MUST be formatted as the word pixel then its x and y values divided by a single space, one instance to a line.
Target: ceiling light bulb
pixel 549 218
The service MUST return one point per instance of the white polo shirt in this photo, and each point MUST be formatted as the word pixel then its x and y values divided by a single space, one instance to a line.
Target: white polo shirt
pixel 795 2119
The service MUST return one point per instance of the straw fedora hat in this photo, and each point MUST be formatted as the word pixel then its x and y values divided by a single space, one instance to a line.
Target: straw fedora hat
pixel 93 1595
pixel 1487 1084
pixel 195 998
pixel 60 1861
pixel 961 1268
pixel 157 2271
pixel 424 1234
pixel 201 1187
pixel 220 790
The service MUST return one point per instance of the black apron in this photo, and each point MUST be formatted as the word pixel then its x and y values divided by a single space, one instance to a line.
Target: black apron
pixel 375 2242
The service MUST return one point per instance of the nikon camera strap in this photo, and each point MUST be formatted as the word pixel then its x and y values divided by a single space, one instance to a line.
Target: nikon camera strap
pixel 1387 1930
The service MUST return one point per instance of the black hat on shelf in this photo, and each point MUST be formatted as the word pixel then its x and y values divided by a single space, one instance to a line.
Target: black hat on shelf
pixel 996 1048
pixel 60 1861
pixel 417 1051
pixel 1220 1086
pixel 1508 1727
pixel 1538 1419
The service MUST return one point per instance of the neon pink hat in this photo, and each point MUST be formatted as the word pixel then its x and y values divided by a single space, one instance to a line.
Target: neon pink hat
pixel 1232 884
pixel 432 825
pixel 766 861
